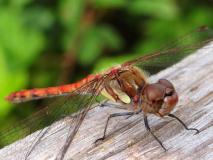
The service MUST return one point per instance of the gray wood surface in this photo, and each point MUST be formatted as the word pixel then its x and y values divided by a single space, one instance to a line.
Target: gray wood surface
pixel 128 138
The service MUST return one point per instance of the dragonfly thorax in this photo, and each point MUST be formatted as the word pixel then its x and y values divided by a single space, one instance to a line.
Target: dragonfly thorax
pixel 131 88
pixel 124 87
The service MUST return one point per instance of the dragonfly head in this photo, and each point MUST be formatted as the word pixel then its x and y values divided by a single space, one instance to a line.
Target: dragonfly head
pixel 162 95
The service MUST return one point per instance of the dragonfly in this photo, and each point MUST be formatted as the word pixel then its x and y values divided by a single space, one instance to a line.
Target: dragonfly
pixel 126 84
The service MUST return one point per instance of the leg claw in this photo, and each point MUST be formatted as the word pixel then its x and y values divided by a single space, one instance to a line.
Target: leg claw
pixel 99 140
pixel 194 129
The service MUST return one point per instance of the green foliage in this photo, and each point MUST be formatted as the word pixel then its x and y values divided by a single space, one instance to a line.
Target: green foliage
pixel 164 9
pixel 20 44
pixel 46 42
pixel 96 39
pixel 109 3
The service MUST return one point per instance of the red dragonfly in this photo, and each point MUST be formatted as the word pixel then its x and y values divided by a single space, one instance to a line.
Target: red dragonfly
pixel 125 84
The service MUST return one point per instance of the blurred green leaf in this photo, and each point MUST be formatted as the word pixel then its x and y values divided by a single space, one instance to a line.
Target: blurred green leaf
pixel 8 81
pixel 19 3
pixel 164 9
pixel 71 12
pixel 43 17
pixel 20 43
pixel 110 38
pixel 109 3
pixel 96 39
pixel 200 16
pixel 4 108
pixel 90 47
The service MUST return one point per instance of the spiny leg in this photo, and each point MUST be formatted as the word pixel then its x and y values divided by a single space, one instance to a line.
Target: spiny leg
pixel 111 116
pixel 114 105
pixel 148 128
pixel 137 112
pixel 106 103
pixel 184 125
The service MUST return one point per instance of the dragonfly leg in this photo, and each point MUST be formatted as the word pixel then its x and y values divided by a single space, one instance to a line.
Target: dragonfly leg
pixel 137 112
pixel 148 128
pixel 184 125
pixel 115 106
pixel 38 138
pixel 111 116
pixel 106 103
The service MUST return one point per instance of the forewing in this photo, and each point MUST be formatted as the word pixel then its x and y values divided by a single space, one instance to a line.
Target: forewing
pixel 75 102
pixel 174 51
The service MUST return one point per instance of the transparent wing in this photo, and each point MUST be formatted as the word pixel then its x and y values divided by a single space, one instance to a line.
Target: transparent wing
pixel 60 108
pixel 174 51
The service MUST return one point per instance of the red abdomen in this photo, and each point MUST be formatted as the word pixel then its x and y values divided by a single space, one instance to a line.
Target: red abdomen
pixel 38 93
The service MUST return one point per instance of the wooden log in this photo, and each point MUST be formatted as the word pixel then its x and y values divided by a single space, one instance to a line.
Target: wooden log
pixel 128 138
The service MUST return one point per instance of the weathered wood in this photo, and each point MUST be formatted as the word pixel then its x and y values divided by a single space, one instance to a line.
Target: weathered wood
pixel 128 138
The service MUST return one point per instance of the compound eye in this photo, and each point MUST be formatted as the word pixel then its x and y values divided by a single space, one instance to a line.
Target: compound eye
pixel 169 92
pixel 154 92
pixel 166 83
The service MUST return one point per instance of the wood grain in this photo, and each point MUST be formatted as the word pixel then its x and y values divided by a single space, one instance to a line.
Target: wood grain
pixel 128 138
